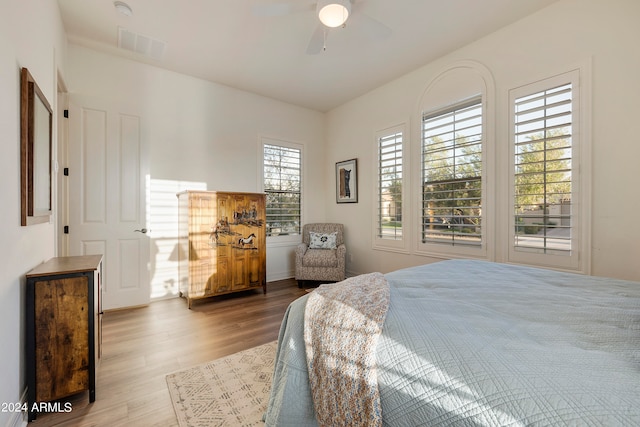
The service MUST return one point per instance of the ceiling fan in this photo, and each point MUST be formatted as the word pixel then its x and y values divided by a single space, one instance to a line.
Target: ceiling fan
pixel 331 14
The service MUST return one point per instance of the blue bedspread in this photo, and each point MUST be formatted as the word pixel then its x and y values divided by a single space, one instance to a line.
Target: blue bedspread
pixel 475 343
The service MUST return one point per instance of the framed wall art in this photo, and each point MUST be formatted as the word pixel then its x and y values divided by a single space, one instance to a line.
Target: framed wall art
pixel 347 181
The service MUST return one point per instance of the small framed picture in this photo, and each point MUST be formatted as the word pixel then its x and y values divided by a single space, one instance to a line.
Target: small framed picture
pixel 347 181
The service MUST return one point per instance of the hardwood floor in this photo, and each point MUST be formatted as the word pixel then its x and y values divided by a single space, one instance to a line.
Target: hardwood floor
pixel 141 346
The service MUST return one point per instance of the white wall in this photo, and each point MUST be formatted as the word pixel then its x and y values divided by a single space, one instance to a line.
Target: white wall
pixel 566 34
pixel 204 134
pixel 31 36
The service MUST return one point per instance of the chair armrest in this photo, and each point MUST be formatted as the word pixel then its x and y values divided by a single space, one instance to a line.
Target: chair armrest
pixel 342 259
pixel 342 255
pixel 301 249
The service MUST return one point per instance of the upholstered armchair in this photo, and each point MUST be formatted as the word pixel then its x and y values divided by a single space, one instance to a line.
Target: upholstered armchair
pixel 322 254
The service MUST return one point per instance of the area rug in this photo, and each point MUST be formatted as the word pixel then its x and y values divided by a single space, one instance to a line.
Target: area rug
pixel 231 391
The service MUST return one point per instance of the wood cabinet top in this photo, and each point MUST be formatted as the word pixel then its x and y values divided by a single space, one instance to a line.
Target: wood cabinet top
pixel 65 265
pixel 241 193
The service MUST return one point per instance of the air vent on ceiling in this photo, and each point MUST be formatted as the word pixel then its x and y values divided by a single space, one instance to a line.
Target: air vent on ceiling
pixel 138 43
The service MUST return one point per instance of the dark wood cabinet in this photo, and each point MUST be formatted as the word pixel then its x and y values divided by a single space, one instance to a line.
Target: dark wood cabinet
pixel 63 328
pixel 222 243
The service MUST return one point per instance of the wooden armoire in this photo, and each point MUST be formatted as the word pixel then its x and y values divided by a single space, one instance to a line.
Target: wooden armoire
pixel 222 243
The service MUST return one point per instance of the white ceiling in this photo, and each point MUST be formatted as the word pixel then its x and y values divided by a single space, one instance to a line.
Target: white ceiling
pixel 234 42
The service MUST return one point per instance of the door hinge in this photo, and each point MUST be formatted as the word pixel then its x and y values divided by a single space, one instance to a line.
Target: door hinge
pixel 66 114
pixel 66 229
pixel 65 171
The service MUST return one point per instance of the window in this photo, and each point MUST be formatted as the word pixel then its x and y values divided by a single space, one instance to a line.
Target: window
pixel 389 221
pixel 545 228
pixel 282 184
pixel 451 162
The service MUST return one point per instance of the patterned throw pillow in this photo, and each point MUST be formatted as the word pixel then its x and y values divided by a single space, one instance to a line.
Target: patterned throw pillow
pixel 322 240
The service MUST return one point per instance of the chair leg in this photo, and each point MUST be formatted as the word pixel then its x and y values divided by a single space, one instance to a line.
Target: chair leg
pixel 300 283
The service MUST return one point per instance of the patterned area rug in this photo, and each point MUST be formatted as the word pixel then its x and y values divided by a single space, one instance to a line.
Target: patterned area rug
pixel 232 391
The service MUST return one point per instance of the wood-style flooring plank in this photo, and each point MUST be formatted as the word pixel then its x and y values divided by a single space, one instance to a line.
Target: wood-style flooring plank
pixel 140 346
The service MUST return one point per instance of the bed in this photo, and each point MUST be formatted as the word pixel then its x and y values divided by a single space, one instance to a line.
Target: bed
pixel 476 343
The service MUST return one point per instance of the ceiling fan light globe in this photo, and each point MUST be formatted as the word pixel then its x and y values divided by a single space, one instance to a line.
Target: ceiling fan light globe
pixel 334 13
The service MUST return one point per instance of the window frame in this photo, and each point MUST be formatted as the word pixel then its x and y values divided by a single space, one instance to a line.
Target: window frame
pixel 454 83
pixel 288 238
pixel 400 245
pixel 579 259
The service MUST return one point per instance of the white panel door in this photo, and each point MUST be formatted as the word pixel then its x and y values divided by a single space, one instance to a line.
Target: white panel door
pixel 108 169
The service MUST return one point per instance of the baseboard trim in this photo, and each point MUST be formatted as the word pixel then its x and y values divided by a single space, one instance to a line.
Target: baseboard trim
pixel 282 275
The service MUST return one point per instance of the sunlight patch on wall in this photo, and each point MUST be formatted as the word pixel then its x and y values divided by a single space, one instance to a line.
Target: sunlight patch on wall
pixel 163 220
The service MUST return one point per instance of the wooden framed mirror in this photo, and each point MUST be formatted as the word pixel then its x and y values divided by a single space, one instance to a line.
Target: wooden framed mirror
pixel 35 152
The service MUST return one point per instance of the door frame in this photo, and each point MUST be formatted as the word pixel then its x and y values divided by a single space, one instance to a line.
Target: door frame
pixel 61 213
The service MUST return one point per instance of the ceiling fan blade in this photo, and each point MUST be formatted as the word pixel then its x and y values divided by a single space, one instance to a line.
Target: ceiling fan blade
pixel 316 43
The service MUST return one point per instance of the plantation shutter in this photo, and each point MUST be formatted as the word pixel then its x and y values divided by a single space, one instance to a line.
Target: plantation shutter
pixel 282 185
pixel 390 187
pixel 452 175
pixel 543 171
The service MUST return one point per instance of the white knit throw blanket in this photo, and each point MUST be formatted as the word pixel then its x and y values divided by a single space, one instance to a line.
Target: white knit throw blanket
pixel 342 324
